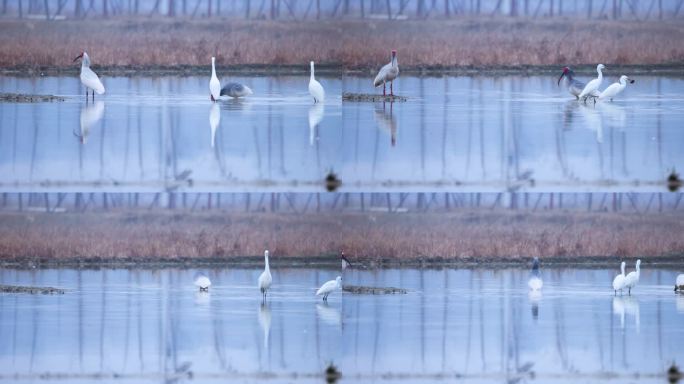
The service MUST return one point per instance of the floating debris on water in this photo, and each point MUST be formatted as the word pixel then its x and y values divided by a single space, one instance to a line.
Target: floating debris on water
pixel 26 98
pixel 362 290
pixel 332 374
pixel 332 182
pixel 673 181
pixel 30 290
pixel 348 96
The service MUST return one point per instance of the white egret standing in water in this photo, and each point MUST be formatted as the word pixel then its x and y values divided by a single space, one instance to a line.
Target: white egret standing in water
pixel 593 85
pixel 615 88
pixel 88 77
pixel 387 74
pixel 535 282
pixel 619 281
pixel 315 88
pixel 329 287
pixel 632 278
pixel 265 278
pixel 214 83
pixel 202 281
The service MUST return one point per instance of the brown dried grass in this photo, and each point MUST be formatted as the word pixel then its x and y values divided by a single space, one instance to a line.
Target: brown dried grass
pixel 161 235
pixel 351 43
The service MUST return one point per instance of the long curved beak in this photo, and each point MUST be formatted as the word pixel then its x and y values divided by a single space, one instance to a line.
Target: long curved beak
pixel 78 57
pixel 561 77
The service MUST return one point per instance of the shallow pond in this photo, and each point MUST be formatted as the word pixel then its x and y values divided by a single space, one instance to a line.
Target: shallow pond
pixel 482 325
pixel 458 134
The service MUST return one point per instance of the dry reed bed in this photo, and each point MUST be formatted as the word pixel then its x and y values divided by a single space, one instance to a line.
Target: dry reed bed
pixel 352 43
pixel 165 236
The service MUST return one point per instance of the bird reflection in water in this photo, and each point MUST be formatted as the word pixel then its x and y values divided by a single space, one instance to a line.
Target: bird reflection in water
pixel 214 121
pixel 535 297
pixel 627 305
pixel 329 315
pixel 386 122
pixel 90 115
pixel 265 322
pixel 316 113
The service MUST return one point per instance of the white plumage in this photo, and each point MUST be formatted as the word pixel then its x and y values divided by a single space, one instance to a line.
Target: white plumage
pixel 315 88
pixel 88 77
pixel 214 83
pixel 265 278
pixel 679 283
pixel 619 280
pixel 202 282
pixel 615 88
pixel 329 287
pixel 593 85
pixel 387 74
pixel 632 278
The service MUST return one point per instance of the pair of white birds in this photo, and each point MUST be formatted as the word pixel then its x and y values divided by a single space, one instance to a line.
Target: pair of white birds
pixel 236 90
pixel 591 89
pixel 265 280
pixel 621 282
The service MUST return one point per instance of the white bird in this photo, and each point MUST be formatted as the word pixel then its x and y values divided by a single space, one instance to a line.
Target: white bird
pixel 88 77
pixel 633 277
pixel 615 88
pixel 593 85
pixel 619 281
pixel 214 121
pixel 535 282
pixel 679 283
pixel 265 278
pixel 315 88
pixel 329 287
pixel 387 74
pixel 202 281
pixel 214 83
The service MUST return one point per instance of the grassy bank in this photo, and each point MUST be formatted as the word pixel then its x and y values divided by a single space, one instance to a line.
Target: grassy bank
pixel 350 44
pixel 159 236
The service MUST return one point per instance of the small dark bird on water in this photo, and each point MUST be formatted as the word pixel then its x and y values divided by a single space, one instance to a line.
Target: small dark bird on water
pixel 332 182
pixel 673 181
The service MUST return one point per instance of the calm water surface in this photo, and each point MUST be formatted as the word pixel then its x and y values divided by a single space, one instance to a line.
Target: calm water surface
pixel 456 134
pixel 480 324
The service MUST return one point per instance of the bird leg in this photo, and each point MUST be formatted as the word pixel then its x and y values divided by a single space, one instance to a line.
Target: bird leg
pixel 93 96
pixel 391 88
pixel 212 98
pixel 383 89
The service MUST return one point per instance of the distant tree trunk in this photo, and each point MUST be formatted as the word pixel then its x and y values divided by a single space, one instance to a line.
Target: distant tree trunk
pixel 560 7
pixel 172 8
pixel 318 9
pixel 137 6
pixel 447 12
pixel 514 7
pixel 551 8
pixel 209 8
pixel 660 9
pixel 590 6
pixel 105 10
pixel 615 9
pixel 218 8
pixel 363 9
pixel 185 7
pixel 47 9
pixel 346 7
pixel 21 9
pixel 527 7
pixel 389 10
pixel 4 7
pixel 248 8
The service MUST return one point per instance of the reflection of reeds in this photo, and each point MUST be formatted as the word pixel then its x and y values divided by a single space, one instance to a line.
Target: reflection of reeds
pixel 122 234
pixel 352 43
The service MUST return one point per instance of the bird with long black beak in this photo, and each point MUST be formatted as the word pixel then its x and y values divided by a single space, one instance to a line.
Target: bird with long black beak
pixel 88 77
pixel 575 86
